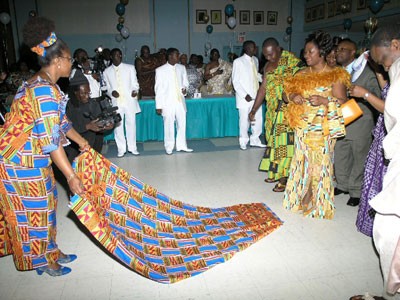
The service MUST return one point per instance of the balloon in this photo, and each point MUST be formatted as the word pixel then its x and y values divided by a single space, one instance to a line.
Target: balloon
pixel 209 28
pixel 206 18
pixel 231 22
pixel 347 24
pixel 289 30
pixel 120 9
pixel 124 2
pixel 229 10
pixel 376 5
pixel 121 20
pixel 119 26
pixel 5 18
pixel 289 20
pixel 125 32
pixel 32 13
pixel 207 46
pixel 286 38
pixel 118 37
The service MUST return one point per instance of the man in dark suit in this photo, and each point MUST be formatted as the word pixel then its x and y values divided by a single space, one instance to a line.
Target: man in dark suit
pixel 351 151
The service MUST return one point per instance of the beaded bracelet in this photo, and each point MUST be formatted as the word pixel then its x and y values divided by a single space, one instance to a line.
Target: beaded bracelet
pixel 70 177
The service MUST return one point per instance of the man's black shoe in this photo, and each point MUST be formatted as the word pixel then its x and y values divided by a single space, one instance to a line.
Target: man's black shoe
pixel 339 191
pixel 353 201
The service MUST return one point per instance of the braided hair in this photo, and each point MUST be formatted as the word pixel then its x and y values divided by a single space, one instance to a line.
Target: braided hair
pixel 322 40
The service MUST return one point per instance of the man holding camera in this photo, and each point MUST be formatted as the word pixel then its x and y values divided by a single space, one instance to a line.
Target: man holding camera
pixel 123 87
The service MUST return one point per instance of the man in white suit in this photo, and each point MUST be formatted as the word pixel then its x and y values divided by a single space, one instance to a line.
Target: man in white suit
pixel 245 79
pixel 123 87
pixel 170 89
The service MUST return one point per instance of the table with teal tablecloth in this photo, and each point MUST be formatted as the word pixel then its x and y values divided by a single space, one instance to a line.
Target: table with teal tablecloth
pixel 205 118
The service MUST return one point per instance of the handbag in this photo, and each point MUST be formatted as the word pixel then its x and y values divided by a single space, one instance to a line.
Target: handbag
pixel 351 111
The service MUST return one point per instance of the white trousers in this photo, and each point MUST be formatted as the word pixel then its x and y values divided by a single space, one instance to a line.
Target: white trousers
pixel 129 117
pixel 244 125
pixel 177 114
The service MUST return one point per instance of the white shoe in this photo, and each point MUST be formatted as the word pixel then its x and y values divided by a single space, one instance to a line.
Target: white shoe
pixel 259 145
pixel 185 150
pixel 120 154
pixel 134 152
pixel 243 147
pixel 169 152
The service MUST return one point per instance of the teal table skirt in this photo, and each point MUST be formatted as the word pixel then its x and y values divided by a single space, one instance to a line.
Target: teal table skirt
pixel 206 118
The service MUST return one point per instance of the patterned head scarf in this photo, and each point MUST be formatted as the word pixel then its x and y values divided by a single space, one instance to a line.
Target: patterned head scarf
pixel 40 49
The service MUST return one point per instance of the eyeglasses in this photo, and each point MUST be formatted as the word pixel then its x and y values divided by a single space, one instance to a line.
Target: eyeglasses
pixel 71 60
pixel 342 49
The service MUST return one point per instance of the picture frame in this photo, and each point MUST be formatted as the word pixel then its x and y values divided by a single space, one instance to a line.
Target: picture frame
pixel 361 4
pixel 321 12
pixel 258 17
pixel 308 15
pixel 227 17
pixel 314 13
pixel 337 8
pixel 331 9
pixel 272 17
pixel 216 17
pixel 200 13
pixel 244 17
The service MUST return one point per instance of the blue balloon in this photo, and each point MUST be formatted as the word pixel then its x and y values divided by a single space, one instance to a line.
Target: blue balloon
pixel 209 28
pixel 119 26
pixel 376 5
pixel 289 30
pixel 120 9
pixel 229 10
pixel 347 24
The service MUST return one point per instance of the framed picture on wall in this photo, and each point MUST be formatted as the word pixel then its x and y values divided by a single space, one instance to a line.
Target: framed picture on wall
pixel 361 4
pixel 331 9
pixel 308 15
pixel 226 16
pixel 314 13
pixel 258 17
pixel 200 13
pixel 272 17
pixel 338 5
pixel 321 11
pixel 244 17
pixel 216 17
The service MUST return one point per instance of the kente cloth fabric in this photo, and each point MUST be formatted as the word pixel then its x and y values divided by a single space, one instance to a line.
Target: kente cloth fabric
pixel 158 237
pixel 28 203
pixel 35 126
pixel 280 138
pixel 311 169
pixel 374 171
pixel 220 84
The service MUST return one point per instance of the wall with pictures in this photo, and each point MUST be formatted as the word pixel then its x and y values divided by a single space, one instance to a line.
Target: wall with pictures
pixel 159 23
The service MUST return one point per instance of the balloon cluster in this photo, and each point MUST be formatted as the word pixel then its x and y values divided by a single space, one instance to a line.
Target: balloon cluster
pixel 347 24
pixel 289 29
pixel 123 30
pixel 229 10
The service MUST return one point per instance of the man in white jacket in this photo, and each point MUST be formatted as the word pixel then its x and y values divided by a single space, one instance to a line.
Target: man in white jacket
pixel 170 89
pixel 245 79
pixel 123 87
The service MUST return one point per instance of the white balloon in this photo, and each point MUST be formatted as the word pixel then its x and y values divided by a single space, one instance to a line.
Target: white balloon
pixel 118 37
pixel 5 18
pixel 231 22
pixel 125 32
pixel 207 46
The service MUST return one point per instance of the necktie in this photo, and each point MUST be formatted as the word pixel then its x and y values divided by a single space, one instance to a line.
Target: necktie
pixel 119 85
pixel 255 75
pixel 177 88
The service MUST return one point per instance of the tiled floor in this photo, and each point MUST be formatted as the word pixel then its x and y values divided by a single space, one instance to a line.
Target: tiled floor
pixel 304 259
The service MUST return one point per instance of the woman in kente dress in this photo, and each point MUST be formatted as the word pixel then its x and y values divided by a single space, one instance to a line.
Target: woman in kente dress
pixel 31 138
pixel 315 94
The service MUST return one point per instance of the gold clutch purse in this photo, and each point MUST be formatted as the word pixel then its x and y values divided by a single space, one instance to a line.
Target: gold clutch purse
pixel 351 111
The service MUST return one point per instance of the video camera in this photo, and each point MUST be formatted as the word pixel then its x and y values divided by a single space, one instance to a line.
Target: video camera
pixel 108 113
pixel 97 64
